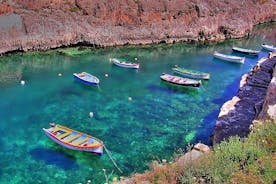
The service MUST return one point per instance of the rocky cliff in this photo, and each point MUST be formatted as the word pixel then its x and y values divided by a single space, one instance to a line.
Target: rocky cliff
pixel 40 25
pixel 255 100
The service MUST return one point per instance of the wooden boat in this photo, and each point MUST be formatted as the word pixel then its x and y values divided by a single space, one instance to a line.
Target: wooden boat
pixel 245 51
pixel 124 64
pixel 191 73
pixel 230 58
pixel 179 81
pixel 86 78
pixel 269 47
pixel 73 139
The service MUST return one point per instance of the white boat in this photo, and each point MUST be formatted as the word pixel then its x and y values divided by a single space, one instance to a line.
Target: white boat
pixel 124 64
pixel 180 81
pixel 86 78
pixel 191 73
pixel 245 51
pixel 269 47
pixel 230 58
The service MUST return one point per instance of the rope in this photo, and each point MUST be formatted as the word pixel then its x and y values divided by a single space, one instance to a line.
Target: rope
pixel 109 154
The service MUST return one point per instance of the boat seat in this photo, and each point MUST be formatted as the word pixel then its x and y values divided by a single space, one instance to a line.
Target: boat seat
pixel 63 135
pixel 81 141
pixel 70 138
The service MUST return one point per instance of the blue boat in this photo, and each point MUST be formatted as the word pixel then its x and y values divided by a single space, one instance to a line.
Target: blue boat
pixel 86 78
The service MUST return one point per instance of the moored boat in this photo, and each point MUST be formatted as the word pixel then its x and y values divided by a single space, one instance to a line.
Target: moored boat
pixel 191 73
pixel 269 47
pixel 245 51
pixel 73 139
pixel 124 64
pixel 86 78
pixel 230 58
pixel 180 81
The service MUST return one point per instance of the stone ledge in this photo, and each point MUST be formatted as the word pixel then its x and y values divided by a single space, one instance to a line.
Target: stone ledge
pixel 256 94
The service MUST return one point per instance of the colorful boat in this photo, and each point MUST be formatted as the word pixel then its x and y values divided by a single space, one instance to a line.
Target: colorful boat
pixel 86 78
pixel 269 47
pixel 73 139
pixel 124 64
pixel 230 58
pixel 191 73
pixel 179 81
pixel 245 51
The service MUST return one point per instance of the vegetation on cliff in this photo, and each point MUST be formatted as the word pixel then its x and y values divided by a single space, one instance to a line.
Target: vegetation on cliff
pixel 247 160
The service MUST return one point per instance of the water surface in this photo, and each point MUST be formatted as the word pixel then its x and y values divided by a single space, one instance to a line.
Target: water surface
pixel 158 121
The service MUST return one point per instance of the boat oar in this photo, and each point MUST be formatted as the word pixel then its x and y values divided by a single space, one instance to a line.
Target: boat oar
pixel 109 154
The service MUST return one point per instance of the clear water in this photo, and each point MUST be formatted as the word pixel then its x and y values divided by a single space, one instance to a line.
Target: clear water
pixel 158 121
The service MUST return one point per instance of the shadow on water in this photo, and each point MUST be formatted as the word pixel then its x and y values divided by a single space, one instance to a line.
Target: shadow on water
pixel 209 121
pixel 55 157
pixel 171 88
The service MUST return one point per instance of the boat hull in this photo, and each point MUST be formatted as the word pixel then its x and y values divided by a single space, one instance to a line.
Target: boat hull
pixel 125 65
pixel 90 83
pixel 189 84
pixel 194 76
pixel 246 52
pixel 74 140
pixel 269 47
pixel 228 58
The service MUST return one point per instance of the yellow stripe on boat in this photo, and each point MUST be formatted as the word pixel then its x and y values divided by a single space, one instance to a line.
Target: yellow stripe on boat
pixel 72 138
pixel 81 141
pixel 63 135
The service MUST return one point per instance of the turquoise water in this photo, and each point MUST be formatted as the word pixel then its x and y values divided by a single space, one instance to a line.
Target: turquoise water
pixel 155 124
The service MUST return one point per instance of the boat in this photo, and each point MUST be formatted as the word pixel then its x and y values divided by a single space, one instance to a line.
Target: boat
pixel 191 73
pixel 269 47
pixel 124 64
pixel 235 59
pixel 180 81
pixel 86 78
pixel 245 51
pixel 73 139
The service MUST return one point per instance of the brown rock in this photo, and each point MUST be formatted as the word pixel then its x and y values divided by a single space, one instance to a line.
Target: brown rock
pixel 54 23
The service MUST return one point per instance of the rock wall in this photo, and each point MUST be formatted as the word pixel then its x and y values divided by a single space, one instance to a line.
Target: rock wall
pixel 40 25
pixel 256 96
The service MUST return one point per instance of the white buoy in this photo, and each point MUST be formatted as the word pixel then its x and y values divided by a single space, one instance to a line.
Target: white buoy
pixel 129 98
pixel 91 114
pixel 106 75
pixel 59 74
pixel 22 82
pixel 135 59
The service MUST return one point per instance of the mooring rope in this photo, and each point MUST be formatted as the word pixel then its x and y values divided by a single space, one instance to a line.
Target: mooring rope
pixel 109 154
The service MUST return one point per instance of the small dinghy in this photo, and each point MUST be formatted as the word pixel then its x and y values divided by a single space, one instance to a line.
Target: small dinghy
pixel 179 81
pixel 269 47
pixel 191 73
pixel 73 139
pixel 124 64
pixel 234 59
pixel 245 51
pixel 86 78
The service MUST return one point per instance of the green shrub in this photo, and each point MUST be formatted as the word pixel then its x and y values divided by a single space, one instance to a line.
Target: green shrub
pixel 237 160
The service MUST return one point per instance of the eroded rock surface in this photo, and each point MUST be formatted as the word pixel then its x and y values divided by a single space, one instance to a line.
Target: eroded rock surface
pixel 41 25
pixel 256 94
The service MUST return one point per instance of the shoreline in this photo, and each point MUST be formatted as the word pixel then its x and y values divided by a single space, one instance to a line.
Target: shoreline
pixel 41 26
pixel 170 41
pixel 255 95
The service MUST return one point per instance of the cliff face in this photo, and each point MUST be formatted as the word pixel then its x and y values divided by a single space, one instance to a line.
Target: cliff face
pixel 39 25
pixel 255 100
